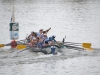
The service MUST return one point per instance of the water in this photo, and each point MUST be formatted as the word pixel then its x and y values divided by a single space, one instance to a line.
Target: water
pixel 77 19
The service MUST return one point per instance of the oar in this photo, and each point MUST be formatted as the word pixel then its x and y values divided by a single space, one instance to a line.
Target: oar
pixel 2 45
pixel 72 43
pixel 24 49
pixel 73 47
pixel 86 46
pixel 21 46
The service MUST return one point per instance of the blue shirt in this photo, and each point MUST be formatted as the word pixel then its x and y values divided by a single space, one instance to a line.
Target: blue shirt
pixel 40 35
pixel 46 39
pixel 52 39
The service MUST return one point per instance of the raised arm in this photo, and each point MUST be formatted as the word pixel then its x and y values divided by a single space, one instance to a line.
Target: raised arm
pixel 48 29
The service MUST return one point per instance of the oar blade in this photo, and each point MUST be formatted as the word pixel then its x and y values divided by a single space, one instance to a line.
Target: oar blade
pixel 87 46
pixel 90 49
pixel 19 47
pixel 2 45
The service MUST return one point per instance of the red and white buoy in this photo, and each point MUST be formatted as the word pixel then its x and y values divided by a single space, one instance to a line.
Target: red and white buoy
pixel 13 44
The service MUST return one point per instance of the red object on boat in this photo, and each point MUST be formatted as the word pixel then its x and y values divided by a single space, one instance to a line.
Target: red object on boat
pixel 13 44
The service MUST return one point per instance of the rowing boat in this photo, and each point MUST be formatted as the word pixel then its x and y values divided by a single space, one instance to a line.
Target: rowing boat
pixel 51 49
pixel 48 49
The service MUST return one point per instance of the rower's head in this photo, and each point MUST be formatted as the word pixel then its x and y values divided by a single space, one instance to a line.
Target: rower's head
pixel 34 34
pixel 45 36
pixel 37 39
pixel 53 36
pixel 41 30
pixel 44 32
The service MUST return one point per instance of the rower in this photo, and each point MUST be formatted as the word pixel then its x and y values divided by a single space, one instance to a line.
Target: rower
pixel 34 38
pixel 52 38
pixel 45 40
pixel 49 41
pixel 52 41
pixel 40 33
pixel 29 37
pixel 53 48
